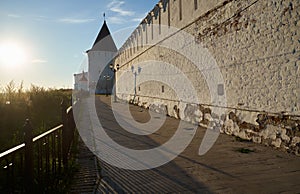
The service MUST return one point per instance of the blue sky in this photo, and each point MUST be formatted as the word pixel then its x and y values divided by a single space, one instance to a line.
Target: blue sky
pixel 53 35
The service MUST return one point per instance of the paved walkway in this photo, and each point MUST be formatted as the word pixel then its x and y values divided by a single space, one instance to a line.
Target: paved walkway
pixel 224 169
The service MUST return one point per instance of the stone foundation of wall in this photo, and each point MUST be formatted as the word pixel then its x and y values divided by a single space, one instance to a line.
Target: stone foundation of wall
pixel 281 131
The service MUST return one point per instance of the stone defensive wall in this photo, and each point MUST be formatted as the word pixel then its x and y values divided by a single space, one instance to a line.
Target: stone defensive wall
pixel 255 45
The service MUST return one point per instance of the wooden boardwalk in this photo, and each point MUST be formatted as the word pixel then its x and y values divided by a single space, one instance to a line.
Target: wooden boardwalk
pixel 224 169
pixel 85 179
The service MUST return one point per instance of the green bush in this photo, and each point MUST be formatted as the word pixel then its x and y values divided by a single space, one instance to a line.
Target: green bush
pixel 40 105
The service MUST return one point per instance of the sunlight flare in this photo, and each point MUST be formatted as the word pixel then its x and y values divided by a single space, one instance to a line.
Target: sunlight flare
pixel 12 55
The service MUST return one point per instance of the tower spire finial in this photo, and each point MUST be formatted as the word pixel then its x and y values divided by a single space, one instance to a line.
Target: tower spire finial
pixel 104 16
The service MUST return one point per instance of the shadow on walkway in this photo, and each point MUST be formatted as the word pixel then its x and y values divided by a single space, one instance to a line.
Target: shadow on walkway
pixel 164 179
pixel 224 169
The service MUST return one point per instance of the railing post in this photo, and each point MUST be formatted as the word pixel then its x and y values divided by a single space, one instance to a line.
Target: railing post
pixel 71 129
pixel 64 134
pixel 28 157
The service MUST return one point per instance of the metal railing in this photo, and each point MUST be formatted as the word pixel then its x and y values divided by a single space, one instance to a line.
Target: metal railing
pixel 39 164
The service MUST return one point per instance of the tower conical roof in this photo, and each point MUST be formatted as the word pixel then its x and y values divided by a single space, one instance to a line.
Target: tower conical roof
pixel 83 78
pixel 104 41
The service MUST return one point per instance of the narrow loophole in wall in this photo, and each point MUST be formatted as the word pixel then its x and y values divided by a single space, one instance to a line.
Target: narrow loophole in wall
pixel 131 49
pixel 152 30
pixel 133 45
pixel 159 20
pixel 169 15
pixel 137 41
pixel 142 38
pixel 180 9
pixel 146 29
pixel 220 89
pixel 196 4
pixel 162 89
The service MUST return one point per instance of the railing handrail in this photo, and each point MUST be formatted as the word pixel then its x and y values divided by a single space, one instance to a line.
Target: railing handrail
pixel 11 150
pixel 39 158
pixel 16 148
pixel 47 132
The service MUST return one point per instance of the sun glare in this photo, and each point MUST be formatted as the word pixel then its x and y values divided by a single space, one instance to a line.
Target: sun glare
pixel 12 55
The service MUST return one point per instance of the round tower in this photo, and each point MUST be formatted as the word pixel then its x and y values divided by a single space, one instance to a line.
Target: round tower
pixel 102 52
